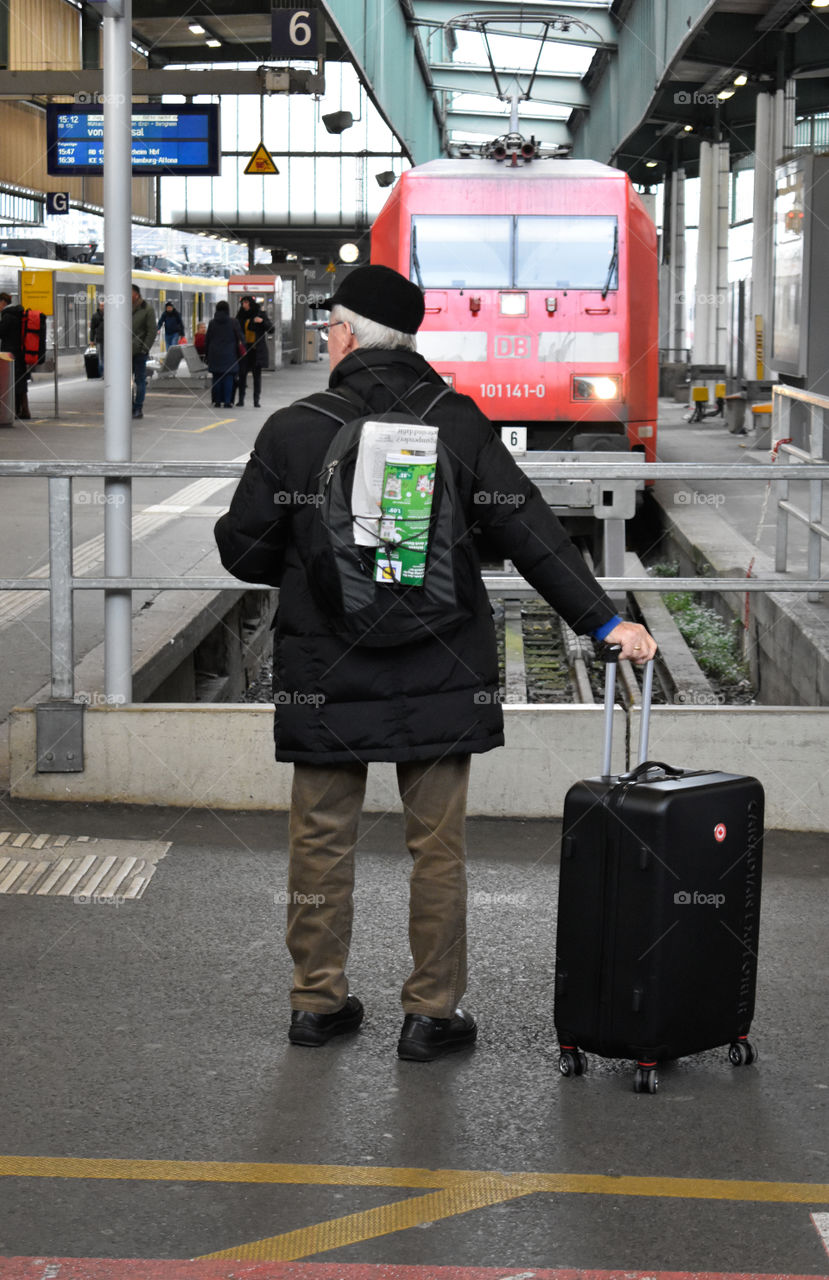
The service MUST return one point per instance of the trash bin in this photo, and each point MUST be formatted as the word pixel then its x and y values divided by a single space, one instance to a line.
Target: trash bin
pixel 312 345
pixel 6 389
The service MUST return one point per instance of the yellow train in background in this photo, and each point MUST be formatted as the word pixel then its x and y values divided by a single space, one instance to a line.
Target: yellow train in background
pixel 77 287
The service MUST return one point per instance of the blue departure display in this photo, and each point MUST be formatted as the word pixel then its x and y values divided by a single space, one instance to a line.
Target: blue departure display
pixel 167 140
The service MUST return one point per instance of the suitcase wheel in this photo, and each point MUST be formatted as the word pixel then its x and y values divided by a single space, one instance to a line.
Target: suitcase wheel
pixel 572 1062
pixel 645 1080
pixel 742 1053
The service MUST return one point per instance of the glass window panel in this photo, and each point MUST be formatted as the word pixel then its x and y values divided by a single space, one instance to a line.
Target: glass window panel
pixel 566 253
pixel 245 136
pixel 459 252
pixel 199 198
pixel 301 124
pixel 302 193
pixel 252 192
pixel 743 181
pixel 173 199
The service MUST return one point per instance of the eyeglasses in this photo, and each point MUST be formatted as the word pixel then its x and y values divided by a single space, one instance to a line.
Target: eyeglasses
pixel 328 326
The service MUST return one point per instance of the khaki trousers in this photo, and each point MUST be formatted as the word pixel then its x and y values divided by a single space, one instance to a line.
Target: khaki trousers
pixel 326 802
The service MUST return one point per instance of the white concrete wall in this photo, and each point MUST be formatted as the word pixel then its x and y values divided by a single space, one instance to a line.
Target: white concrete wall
pixel 222 757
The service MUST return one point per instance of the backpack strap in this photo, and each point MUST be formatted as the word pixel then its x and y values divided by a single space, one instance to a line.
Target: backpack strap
pixel 339 405
pixel 423 397
pixel 345 404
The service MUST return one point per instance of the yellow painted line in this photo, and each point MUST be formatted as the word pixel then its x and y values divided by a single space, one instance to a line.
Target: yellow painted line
pixel 444 1179
pixel 382 1221
pixel 196 431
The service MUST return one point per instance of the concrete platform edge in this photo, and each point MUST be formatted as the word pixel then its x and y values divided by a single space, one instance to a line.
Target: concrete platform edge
pixel 221 756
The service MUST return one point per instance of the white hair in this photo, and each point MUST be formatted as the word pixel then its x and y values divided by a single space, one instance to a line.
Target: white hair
pixel 371 334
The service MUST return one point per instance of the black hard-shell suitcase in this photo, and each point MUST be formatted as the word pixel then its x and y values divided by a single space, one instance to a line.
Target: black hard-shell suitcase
pixel 92 363
pixel 658 911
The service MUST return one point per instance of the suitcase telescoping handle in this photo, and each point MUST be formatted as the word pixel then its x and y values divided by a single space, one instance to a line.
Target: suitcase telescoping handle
pixel 610 655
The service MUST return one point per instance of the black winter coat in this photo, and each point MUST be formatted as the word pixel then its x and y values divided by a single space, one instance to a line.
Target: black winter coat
pixel 260 345
pixel 96 327
pixel 221 349
pixel 337 702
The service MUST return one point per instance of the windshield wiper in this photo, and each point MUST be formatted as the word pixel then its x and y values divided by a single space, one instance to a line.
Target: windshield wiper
pixel 415 259
pixel 614 259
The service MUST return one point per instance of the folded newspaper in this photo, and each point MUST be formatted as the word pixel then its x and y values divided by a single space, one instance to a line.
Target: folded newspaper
pixel 377 441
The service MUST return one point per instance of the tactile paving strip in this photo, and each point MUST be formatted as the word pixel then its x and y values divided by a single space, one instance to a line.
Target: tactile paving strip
pixel 80 867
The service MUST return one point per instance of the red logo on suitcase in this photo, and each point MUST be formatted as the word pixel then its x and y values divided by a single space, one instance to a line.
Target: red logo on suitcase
pixel 719 832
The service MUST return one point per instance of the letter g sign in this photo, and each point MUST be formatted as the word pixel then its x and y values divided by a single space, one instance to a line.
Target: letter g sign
pixel 57 202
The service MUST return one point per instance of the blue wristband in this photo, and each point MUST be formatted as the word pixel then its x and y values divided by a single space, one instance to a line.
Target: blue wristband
pixel 606 628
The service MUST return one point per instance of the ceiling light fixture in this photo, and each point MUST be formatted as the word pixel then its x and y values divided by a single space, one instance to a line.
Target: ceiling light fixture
pixel 213 43
pixel 740 80
pixel 725 94
pixel 196 28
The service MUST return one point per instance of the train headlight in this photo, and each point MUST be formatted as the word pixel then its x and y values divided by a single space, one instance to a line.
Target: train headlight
pixel 598 387
pixel 513 304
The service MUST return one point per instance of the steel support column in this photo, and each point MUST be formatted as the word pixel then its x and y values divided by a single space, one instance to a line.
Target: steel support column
pixel 710 301
pixel 118 369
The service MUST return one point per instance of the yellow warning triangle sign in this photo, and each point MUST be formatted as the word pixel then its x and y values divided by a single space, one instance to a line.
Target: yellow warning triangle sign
pixel 261 161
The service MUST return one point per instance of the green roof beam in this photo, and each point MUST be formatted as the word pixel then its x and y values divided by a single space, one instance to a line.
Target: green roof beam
pixel 389 57
pixel 564 90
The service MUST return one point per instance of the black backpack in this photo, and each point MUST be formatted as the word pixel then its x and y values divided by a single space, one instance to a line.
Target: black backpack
pixel 341 573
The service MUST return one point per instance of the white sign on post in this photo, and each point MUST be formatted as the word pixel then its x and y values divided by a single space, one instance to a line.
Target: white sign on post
pixel 515 438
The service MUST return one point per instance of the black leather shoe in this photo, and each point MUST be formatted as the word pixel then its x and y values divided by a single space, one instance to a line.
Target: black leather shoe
pixel 313 1029
pixel 423 1039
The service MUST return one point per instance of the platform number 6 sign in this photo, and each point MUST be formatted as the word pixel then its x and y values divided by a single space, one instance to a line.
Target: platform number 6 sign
pixel 295 33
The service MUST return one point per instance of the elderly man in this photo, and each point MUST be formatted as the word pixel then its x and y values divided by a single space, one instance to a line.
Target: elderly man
pixel 427 705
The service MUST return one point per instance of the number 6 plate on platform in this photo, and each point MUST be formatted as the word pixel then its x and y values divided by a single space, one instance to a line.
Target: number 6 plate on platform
pixel 515 438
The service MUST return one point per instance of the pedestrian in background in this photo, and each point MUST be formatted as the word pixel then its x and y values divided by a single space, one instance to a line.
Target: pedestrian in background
pixel 143 337
pixel 255 327
pixel 200 339
pixel 96 333
pixel 223 347
pixel 173 325
pixel 11 340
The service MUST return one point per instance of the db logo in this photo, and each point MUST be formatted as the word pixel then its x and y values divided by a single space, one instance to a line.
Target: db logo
pixel 719 832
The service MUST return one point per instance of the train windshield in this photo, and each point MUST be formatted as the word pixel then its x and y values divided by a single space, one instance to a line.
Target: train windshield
pixel 506 252
pixel 462 253
pixel 566 253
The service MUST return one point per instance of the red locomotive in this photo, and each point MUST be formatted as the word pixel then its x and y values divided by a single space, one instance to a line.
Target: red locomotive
pixel 540 282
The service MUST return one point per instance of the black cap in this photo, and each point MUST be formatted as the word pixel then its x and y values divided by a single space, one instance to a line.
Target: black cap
pixel 380 294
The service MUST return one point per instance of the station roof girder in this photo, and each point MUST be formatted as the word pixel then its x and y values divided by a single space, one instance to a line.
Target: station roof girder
pixel 552 133
pixel 600 30
pixel 671 63
pixel 565 89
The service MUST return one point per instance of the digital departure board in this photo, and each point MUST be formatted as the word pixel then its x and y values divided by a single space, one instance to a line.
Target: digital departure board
pixel 167 139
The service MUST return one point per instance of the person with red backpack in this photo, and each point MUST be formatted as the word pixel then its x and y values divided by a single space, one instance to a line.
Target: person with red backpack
pixel 11 340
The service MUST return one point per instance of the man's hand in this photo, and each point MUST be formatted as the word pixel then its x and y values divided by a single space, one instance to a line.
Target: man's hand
pixel 637 644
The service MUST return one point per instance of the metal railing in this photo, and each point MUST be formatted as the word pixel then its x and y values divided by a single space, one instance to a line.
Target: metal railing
pixel 61 582
pixel 782 400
